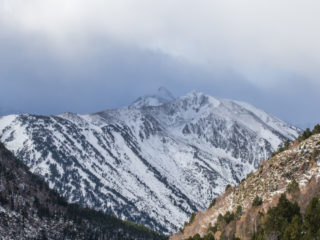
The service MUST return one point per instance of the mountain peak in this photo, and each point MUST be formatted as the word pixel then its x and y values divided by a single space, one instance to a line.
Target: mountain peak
pixel 201 99
pixel 164 93
pixel 162 96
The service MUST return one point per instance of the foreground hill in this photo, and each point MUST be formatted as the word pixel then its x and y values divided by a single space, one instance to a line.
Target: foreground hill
pixel 154 162
pixel 30 210
pixel 279 201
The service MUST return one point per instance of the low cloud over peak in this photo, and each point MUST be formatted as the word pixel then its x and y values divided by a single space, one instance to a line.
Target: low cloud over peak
pixel 258 51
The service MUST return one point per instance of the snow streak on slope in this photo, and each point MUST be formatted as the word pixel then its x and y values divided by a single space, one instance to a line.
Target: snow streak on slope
pixel 150 163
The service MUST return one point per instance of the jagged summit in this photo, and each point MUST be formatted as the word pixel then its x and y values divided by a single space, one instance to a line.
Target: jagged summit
pixel 162 96
pixel 200 99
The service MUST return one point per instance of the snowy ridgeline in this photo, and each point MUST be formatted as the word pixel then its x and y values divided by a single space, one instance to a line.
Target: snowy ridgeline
pixel 153 162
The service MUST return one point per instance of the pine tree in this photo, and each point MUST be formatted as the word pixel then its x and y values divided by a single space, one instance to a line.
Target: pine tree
pixel 316 129
pixel 305 135
pixel 286 144
pixel 257 201
pixel 238 212
pixel 312 219
pixel 208 237
pixel 279 217
pixel 293 186
pixel 293 231
pixel 213 202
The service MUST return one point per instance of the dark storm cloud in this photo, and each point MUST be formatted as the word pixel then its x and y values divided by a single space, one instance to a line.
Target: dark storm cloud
pixel 73 56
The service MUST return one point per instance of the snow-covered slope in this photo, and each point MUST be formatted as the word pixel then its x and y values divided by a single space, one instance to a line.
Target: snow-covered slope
pixel 150 163
pixel 29 209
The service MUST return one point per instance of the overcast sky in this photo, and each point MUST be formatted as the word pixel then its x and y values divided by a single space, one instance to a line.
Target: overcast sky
pixel 88 55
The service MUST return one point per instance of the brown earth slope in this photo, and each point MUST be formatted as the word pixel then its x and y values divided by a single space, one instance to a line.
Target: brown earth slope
pixel 299 163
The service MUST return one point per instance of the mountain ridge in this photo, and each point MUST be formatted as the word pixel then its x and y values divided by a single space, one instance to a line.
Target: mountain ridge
pixel 154 165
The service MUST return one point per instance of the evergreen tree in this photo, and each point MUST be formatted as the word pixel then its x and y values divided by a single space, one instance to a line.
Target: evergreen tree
pixel 212 203
pixel 238 212
pixel 208 237
pixel 221 222
pixel 311 224
pixel 259 235
pixel 305 135
pixel 257 201
pixel 293 231
pixel 192 217
pixel 286 144
pixel 228 217
pixel 293 186
pixel 316 129
pixel 280 217
pixel 314 154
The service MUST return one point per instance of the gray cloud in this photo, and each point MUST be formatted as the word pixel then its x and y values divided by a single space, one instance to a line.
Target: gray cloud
pixel 78 56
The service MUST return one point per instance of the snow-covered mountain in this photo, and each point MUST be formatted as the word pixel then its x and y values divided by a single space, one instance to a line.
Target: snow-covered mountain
pixel 153 162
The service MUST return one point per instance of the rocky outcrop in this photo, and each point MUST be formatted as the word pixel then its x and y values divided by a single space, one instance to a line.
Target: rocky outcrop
pixel 300 164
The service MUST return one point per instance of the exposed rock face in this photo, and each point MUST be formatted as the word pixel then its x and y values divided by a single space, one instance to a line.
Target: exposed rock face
pixel 154 162
pixel 301 163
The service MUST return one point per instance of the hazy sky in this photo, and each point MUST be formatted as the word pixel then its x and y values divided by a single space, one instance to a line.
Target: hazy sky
pixel 85 56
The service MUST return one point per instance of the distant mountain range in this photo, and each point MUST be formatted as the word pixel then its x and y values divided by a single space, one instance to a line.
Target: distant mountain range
pixel 153 162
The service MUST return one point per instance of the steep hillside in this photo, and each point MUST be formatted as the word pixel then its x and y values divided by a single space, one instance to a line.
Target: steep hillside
pixel 245 210
pixel 154 162
pixel 30 210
